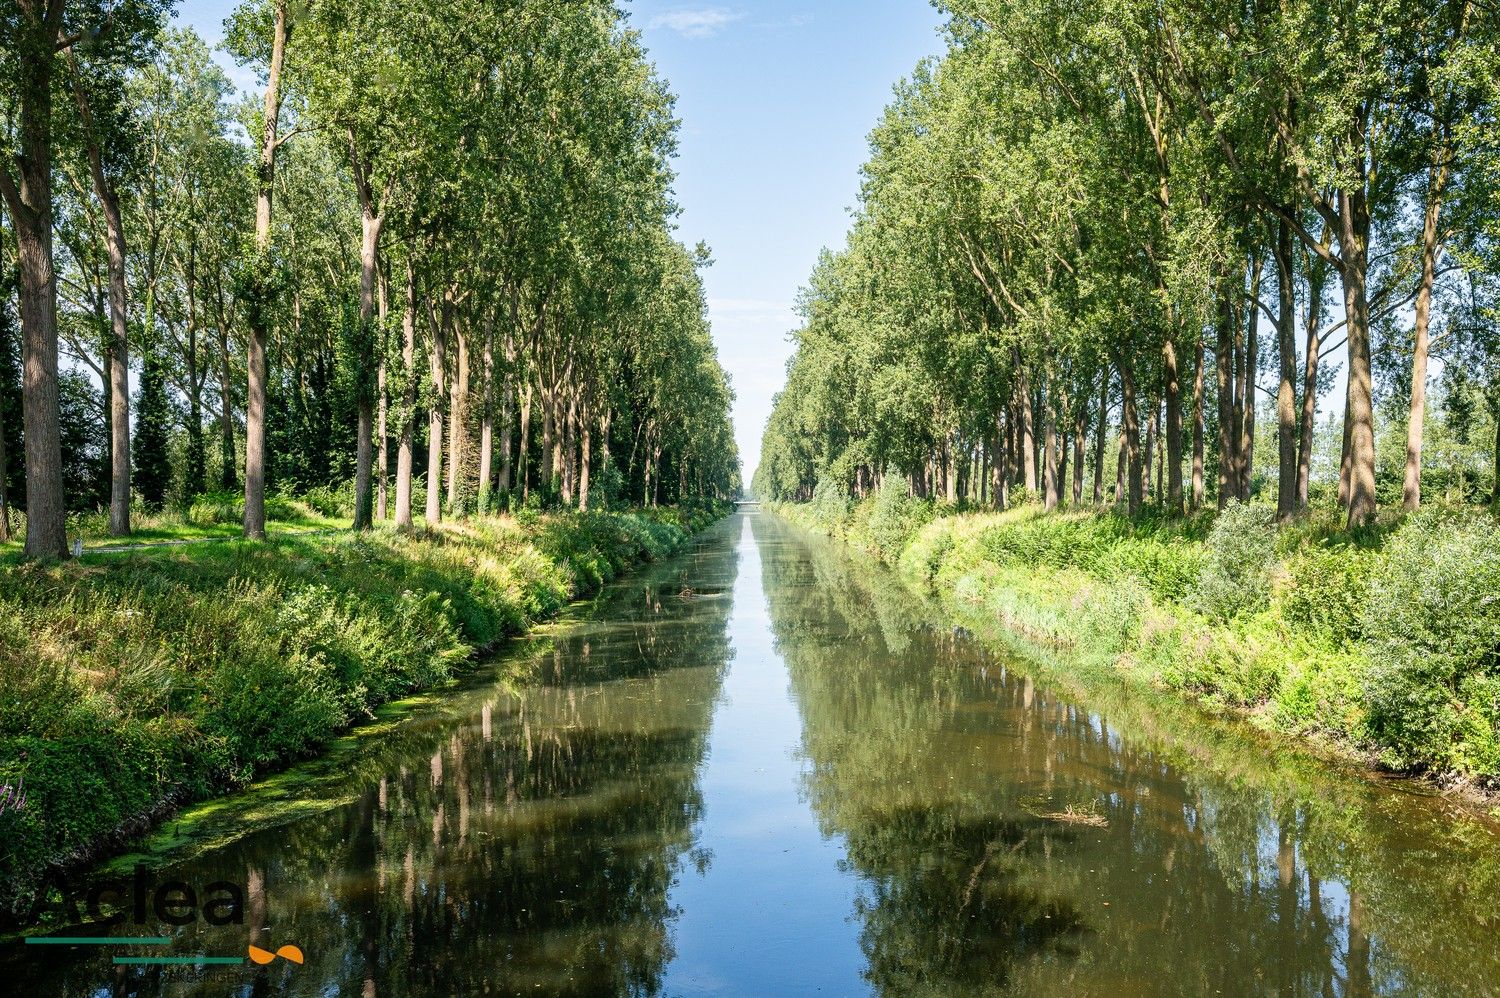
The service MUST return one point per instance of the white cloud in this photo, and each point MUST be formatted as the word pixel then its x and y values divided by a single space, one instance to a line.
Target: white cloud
pixel 701 22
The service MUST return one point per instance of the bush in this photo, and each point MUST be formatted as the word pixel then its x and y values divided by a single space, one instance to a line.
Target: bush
pixel 895 515
pixel 1239 558
pixel 1325 593
pixel 1433 626
pixel 333 501
pixel 216 507
pixel 830 504
pixel 213 508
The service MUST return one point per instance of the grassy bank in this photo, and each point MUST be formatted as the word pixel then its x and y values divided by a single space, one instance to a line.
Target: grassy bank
pixel 1384 642
pixel 136 681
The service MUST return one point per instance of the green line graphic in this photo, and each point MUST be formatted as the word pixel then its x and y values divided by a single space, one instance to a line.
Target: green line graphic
pixel 97 940
pixel 179 959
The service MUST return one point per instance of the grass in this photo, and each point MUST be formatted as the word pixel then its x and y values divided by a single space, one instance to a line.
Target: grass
pixel 1382 643
pixel 218 519
pixel 133 682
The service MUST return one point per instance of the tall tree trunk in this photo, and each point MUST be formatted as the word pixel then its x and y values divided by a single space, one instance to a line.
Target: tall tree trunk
pixel 382 412
pixel 30 202
pixel 404 456
pixel 1315 277
pixel 1122 465
pixel 458 417
pixel 1247 421
pixel 1080 437
pixel 1286 393
pixel 259 313
pixel 364 447
pixel 1172 388
pixel 1161 453
pixel 1027 441
pixel 549 429
pixel 1196 488
pixel 119 344
pixel 1148 455
pixel 487 417
pixel 437 368
pixel 1132 431
pixel 523 454
pixel 583 460
pixel 1003 471
pixel 506 433
pixel 1411 490
pixel 1354 236
pixel 1229 440
pixel 569 438
pixel 1049 452
pixel 1099 438
pixel 1244 388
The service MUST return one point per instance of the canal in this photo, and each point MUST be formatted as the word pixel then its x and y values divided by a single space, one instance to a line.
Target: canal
pixel 764 767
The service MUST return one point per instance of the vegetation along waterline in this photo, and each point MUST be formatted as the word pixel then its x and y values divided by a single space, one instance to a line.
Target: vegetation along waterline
pixel 138 681
pixel 1380 643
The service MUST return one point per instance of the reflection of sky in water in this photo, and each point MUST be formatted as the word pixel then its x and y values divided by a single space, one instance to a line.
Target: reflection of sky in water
pixel 774 893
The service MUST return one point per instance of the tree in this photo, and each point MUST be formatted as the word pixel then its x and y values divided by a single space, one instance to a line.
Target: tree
pixel 260 291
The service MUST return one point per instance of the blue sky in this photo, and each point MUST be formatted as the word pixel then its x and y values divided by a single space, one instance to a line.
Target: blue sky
pixel 775 98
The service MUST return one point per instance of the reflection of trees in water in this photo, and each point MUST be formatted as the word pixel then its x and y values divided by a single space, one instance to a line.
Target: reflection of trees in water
pixel 1222 866
pixel 947 901
pixel 530 848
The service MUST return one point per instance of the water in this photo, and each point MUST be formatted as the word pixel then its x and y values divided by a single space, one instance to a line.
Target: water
pixel 766 768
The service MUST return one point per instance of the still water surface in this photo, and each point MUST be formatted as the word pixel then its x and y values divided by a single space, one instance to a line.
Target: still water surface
pixel 765 768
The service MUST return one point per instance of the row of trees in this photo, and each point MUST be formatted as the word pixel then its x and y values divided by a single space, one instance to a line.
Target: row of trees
pixel 445 233
pixel 1132 221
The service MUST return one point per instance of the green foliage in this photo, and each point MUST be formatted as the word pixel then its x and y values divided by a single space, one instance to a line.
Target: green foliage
pixel 1241 553
pixel 332 500
pixel 1433 625
pixel 1325 592
pixel 229 507
pixel 607 487
pixel 831 504
pixel 894 516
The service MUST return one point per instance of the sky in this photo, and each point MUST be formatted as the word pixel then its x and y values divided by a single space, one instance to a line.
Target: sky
pixel 776 98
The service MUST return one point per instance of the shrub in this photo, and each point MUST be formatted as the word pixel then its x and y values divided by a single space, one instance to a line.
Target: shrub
pixel 830 504
pixel 1325 592
pixel 329 500
pixel 894 516
pixel 1432 622
pixel 216 507
pixel 1240 555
